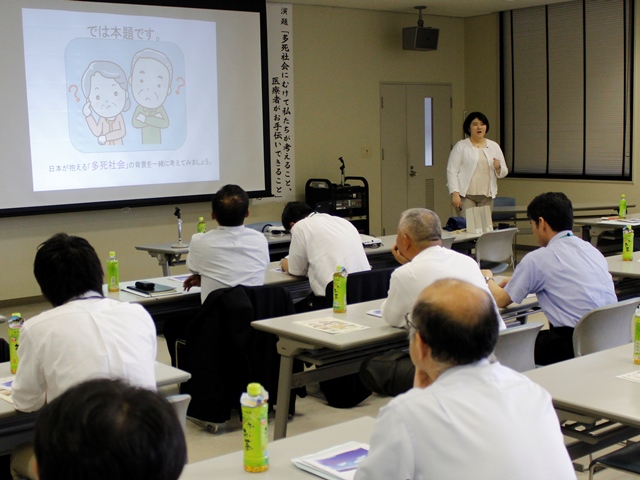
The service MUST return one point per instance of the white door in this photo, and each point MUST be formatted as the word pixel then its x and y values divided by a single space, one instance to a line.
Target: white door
pixel 416 141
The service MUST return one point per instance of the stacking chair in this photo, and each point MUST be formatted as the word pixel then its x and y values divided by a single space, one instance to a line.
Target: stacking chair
pixel 224 353
pixel 448 242
pixel 363 286
pixel 516 345
pixel 493 248
pixel 504 219
pixel 605 327
pixel 625 460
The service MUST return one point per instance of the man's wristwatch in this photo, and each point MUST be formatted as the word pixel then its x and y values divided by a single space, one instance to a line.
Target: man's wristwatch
pixel 486 279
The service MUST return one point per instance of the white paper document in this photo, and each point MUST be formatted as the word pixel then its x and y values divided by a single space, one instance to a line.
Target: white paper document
pixel 336 463
pixel 331 325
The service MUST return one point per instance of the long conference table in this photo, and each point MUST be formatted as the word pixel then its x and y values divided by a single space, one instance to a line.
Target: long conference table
pixel 167 255
pixel 587 389
pixel 593 227
pixel 230 466
pixel 17 427
pixel 340 354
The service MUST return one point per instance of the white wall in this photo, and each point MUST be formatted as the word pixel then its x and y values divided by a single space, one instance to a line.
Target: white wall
pixel 341 57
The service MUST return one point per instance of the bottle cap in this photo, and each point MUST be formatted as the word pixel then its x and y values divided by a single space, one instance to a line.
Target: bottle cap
pixel 623 195
pixel 112 254
pixel 201 219
pixel 16 314
pixel 254 389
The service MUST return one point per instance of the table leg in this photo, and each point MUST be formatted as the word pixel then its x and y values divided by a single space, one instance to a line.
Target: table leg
pixel 164 262
pixel 284 391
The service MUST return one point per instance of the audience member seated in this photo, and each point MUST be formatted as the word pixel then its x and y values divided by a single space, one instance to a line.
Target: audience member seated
pixel 107 429
pixel 319 243
pixel 225 257
pixel 568 275
pixel 465 417
pixel 231 254
pixel 424 261
pixel 84 336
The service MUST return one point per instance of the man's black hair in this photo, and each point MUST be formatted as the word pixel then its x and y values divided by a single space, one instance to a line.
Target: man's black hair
pixel 106 430
pixel 294 212
pixel 65 267
pixel 555 208
pixel 230 205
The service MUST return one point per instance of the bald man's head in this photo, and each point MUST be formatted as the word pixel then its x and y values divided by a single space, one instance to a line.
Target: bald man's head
pixel 457 321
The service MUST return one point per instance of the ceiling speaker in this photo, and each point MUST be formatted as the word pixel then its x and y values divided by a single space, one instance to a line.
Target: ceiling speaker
pixel 420 38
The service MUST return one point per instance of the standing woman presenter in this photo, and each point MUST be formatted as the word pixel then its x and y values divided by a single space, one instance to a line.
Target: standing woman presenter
pixel 474 166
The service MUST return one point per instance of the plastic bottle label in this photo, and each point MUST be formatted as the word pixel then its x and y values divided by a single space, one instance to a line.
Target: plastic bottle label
pixel 627 246
pixel 255 437
pixel 14 324
pixel 339 293
pixel 113 276
pixel 622 209
pixel 636 338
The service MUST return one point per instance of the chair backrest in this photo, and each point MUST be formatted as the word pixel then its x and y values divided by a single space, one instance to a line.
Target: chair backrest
pixel 180 403
pixel 516 345
pixel 503 202
pixel 447 242
pixel 496 246
pixel 364 286
pixel 605 327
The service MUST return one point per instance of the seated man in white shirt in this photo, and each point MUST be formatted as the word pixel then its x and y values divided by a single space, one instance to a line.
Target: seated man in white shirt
pixel 231 254
pixel 225 257
pixel 84 336
pixel 465 417
pixel 424 261
pixel 319 244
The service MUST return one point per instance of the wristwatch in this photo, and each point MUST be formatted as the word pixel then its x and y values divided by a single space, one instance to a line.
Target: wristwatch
pixel 486 279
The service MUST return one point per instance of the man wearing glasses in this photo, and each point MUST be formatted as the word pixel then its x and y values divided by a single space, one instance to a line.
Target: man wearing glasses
pixel 465 417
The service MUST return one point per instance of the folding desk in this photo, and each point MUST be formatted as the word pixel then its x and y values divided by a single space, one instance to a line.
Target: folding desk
pixel 17 427
pixel 230 467
pixel 577 207
pixel 168 256
pixel 333 355
pixel 342 354
pixel 592 227
pixel 187 303
pixel 587 387
pixel 619 268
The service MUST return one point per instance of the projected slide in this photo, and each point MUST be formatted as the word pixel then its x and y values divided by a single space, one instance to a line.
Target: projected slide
pixel 118 100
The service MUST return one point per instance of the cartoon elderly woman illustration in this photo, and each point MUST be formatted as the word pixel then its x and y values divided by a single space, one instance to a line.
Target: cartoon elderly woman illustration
pixel 104 85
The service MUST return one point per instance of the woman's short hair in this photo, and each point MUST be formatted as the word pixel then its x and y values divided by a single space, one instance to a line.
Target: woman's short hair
pixel 466 126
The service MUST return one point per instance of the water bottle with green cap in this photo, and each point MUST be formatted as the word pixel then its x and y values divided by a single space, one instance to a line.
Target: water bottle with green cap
pixel 255 428
pixel 113 276
pixel 622 209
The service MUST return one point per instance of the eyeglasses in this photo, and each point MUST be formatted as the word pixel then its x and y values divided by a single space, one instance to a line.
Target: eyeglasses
pixel 410 324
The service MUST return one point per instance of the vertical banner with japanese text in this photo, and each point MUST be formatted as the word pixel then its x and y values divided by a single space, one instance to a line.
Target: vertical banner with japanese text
pixel 280 38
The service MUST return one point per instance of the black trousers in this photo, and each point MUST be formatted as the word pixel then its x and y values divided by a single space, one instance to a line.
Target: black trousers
pixel 554 345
